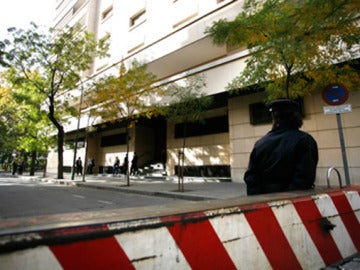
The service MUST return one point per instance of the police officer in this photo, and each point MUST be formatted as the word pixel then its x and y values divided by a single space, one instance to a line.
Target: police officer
pixel 285 158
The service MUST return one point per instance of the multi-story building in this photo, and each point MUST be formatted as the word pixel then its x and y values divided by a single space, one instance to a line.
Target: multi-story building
pixel 169 36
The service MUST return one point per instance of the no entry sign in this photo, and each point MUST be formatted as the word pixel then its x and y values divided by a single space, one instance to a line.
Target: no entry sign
pixel 335 94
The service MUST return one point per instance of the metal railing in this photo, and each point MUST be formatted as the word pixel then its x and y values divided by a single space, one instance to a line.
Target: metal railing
pixel 328 176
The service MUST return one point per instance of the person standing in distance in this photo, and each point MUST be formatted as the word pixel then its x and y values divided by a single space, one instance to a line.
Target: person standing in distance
pixel 134 166
pixel 79 166
pixel 285 159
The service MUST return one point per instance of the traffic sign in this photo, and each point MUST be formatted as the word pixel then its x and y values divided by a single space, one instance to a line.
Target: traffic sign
pixel 335 94
pixel 346 108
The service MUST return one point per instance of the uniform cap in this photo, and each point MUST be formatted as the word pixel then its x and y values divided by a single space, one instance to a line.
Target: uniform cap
pixel 283 105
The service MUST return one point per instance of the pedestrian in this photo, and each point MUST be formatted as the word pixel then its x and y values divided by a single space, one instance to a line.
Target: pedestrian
pixel 125 166
pixel 116 166
pixel 79 166
pixel 14 166
pixel 134 166
pixel 163 159
pixel 21 166
pixel 285 158
pixel 6 165
pixel 90 165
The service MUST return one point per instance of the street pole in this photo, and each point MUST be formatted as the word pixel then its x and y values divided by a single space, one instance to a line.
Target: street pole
pixel 343 149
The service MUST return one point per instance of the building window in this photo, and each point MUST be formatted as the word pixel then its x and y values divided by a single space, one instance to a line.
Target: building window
pixel 112 140
pixel 212 125
pixel 78 5
pixel 106 13
pixel 138 18
pixel 259 114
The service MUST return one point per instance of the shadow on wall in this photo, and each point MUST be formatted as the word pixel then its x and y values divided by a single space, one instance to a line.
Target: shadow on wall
pixel 206 170
pixel 209 161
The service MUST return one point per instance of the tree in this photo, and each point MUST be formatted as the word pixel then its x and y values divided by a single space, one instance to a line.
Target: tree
pixel 188 105
pixel 24 123
pixel 2 54
pixel 126 98
pixel 34 125
pixel 58 57
pixel 294 47
pixel 8 117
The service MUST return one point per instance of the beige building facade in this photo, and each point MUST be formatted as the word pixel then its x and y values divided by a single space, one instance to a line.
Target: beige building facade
pixel 169 36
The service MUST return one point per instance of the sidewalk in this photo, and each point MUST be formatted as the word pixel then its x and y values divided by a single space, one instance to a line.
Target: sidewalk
pixel 195 188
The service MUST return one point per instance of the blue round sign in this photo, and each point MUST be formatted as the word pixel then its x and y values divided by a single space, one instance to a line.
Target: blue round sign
pixel 335 94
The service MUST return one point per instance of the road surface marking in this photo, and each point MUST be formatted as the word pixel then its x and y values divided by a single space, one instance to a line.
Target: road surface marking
pixel 105 202
pixel 79 196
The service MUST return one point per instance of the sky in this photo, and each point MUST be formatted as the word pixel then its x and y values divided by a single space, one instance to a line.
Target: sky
pixel 20 13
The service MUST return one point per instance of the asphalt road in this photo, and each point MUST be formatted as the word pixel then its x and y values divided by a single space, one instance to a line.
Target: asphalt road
pixel 26 198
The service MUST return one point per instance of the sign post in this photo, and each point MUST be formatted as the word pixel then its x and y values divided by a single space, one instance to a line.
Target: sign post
pixel 336 95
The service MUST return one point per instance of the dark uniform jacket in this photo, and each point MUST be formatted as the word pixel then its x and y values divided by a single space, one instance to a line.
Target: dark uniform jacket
pixel 284 159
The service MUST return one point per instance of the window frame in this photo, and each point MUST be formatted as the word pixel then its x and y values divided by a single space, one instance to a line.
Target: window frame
pixel 138 18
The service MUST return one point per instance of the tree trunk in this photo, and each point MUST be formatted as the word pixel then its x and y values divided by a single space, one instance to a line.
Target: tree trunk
pixel 32 165
pixel 61 135
pixel 45 167
pixel 127 155
pixel 182 160
pixel 287 82
pixel 86 157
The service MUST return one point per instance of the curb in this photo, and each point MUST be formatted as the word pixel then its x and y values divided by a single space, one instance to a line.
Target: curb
pixel 121 187
pixel 166 194
pixel 50 180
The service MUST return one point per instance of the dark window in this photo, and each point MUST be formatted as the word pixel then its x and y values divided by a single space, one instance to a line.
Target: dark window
pixel 213 125
pixel 111 140
pixel 205 170
pixel 259 114
pixel 219 101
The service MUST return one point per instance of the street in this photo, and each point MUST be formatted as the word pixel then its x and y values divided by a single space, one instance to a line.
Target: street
pixel 25 198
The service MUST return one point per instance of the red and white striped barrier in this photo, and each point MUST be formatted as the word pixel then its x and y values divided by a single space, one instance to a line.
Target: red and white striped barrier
pixel 301 233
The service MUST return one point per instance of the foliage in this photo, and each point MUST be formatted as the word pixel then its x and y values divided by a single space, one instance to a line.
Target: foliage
pixel 51 63
pixel 2 53
pixel 8 117
pixel 188 102
pixel 126 97
pixel 294 46
pixel 24 126
pixel 34 125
